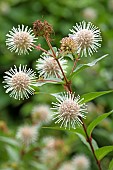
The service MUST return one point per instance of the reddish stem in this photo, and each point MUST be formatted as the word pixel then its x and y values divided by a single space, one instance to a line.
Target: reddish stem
pixel 88 139
pixel 68 84
pixel 38 47
pixel 68 87
pixel 43 80
pixel 75 63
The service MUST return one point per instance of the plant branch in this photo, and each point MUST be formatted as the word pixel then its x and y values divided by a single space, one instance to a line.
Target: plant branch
pixel 68 84
pixel 68 87
pixel 75 63
pixel 38 47
pixel 47 80
pixel 89 140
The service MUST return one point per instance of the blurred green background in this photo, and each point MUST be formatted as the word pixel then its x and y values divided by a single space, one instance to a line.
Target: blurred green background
pixel 62 15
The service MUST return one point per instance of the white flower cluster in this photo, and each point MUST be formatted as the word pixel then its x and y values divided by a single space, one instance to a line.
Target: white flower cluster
pixel 84 39
pixel 86 35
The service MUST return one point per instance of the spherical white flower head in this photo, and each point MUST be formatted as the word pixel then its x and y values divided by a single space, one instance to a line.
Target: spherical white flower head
pixel 49 151
pixel 19 82
pixel 90 13
pixel 68 110
pixel 47 155
pixel 81 162
pixel 20 39
pixel 52 142
pixel 87 37
pixel 48 67
pixel 27 134
pixel 41 113
pixel 66 166
pixel 49 142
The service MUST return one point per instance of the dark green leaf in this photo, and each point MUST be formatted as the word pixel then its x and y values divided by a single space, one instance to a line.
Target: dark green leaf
pixel 84 66
pixel 102 152
pixel 97 121
pixel 111 165
pixel 93 95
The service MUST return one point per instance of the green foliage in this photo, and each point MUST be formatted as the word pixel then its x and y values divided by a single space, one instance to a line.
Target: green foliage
pixel 13 154
pixel 9 141
pixel 83 139
pixel 36 165
pixel 92 82
pixel 111 165
pixel 82 67
pixel 93 95
pixel 95 122
pixel 102 152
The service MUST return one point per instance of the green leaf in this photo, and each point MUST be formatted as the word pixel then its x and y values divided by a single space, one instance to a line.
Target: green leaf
pixel 83 139
pixel 35 87
pixel 102 152
pixel 96 122
pixel 93 95
pixel 9 141
pixel 13 154
pixel 54 49
pixel 84 66
pixel 94 143
pixel 78 130
pixel 88 96
pixel 37 165
pixel 70 56
pixel 111 165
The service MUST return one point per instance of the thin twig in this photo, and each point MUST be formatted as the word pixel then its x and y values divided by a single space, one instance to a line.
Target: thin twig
pixel 75 63
pixel 39 48
pixel 45 80
pixel 54 55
